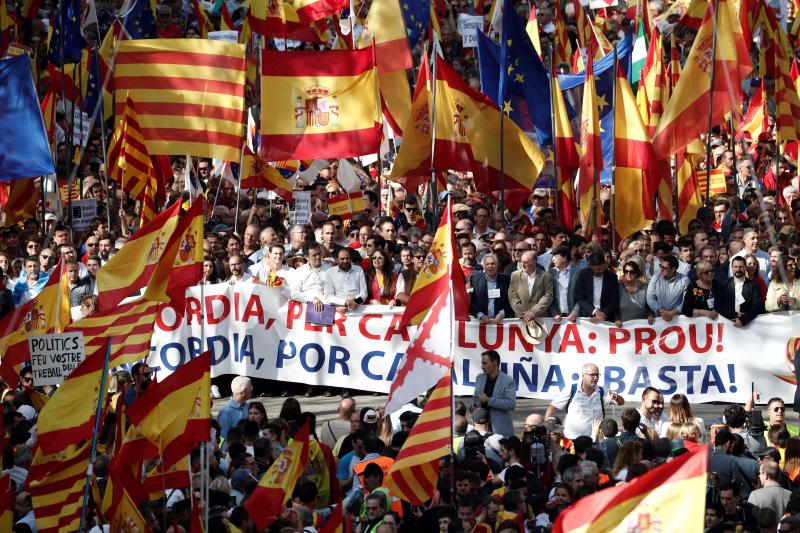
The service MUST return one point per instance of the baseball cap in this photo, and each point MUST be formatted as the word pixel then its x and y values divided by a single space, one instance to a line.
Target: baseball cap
pixel 369 416
pixel 27 411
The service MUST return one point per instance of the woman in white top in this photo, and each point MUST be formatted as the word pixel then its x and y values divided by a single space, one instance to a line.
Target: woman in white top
pixel 680 412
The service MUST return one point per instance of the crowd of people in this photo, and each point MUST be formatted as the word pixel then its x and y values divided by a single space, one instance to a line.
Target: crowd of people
pixel 737 259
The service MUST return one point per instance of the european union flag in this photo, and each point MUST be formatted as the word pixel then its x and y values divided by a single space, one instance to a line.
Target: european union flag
pixel 572 86
pixel 417 16
pixel 139 21
pixel 66 42
pixel 24 150
pixel 521 87
pixel 93 86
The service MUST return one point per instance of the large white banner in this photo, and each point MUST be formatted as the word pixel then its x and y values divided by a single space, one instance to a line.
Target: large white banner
pixel 256 331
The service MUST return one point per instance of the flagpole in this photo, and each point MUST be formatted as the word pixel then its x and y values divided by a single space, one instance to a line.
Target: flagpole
pixel 434 194
pixel 502 97
pixel 238 191
pixel 554 76
pixel 203 445
pixel 614 160
pixel 93 451
pixel 711 98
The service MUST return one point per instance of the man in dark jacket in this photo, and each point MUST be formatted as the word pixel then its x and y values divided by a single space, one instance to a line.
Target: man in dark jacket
pixel 739 299
pixel 489 296
pixel 597 290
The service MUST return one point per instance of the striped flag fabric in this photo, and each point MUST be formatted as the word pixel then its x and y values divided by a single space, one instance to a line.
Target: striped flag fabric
pixel 532 29
pixel 18 199
pixel 567 157
pixel 134 170
pixel 591 162
pixel 189 94
pixel 320 104
pixel 278 18
pixel 265 503
pixel 653 91
pixel 562 47
pixel 175 414
pixel 755 120
pixel 412 477
pixel 56 483
pixel 690 190
pixel 346 204
pixel 668 498
pixel 311 10
pixel 258 174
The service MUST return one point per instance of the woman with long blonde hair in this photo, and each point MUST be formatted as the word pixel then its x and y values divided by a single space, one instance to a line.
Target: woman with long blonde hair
pixel 680 413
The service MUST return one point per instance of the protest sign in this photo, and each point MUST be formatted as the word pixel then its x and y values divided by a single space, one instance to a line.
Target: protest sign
pixel 231 36
pixel 256 331
pixel 83 212
pixel 54 356
pixel 468 27
pixel 301 207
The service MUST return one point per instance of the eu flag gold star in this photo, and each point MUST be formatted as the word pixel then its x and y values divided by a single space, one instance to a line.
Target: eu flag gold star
pixel 519 78
pixel 601 102
pixel 507 109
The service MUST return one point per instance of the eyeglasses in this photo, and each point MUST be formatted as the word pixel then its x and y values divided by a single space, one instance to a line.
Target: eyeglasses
pixel 779 409
pixel 337 226
pixel 419 257
pixel 34 245
pixel 411 208
pixel 629 271
pixel 27 379
pixel 377 258
pixel 92 244
pixel 595 375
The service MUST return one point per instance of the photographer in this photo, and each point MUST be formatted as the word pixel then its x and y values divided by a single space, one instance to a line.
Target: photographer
pixel 737 419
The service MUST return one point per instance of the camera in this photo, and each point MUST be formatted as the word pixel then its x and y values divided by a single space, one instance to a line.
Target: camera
pixel 473 445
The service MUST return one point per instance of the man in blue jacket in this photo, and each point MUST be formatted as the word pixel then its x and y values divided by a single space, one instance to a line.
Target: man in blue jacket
pixel 497 393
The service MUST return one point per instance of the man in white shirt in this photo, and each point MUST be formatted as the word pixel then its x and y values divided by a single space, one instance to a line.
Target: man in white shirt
pixel 584 403
pixel 236 266
pixel 652 410
pixel 308 281
pixel 271 267
pixel 751 248
pixel 345 284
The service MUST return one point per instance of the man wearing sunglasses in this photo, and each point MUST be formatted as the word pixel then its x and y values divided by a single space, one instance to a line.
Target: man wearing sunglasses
pixel 142 378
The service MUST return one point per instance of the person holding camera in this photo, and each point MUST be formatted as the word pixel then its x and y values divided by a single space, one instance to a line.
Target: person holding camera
pixel 496 392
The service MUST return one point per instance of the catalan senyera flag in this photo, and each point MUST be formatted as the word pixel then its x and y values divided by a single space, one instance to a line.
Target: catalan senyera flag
pixel 532 29
pixel 690 192
pixel 48 312
pixel 6 503
pixel 175 414
pixel 412 166
pixel 671 497
pixel 346 204
pixel 687 113
pixel 189 94
pixel 132 266
pixel 562 45
pixel 56 483
pixel 467 138
pixel 635 163
pixel 755 120
pixel 68 417
pixel 320 104
pixel 204 25
pixel 258 174
pixel 587 33
pixel 278 18
pixel 133 170
pixel 653 92
pixel 265 503
pixel 413 475
pixel 385 23
pixel 441 269
pixel 568 160
pixel 591 162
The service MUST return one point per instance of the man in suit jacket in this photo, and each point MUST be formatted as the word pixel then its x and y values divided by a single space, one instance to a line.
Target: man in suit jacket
pixel 489 291
pixel 497 393
pixel 530 291
pixel 739 299
pixel 597 290
pixel 565 279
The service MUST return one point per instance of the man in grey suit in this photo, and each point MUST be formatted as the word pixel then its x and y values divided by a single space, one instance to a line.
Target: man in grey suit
pixel 771 495
pixel 530 291
pixel 565 277
pixel 497 393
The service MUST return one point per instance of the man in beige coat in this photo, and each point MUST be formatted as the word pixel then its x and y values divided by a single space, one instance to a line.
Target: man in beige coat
pixel 530 291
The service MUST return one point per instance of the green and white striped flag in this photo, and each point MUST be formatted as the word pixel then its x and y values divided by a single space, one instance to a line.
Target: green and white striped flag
pixel 638 55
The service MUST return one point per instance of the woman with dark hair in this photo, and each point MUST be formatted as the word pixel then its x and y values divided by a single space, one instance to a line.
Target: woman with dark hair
pixel 290 411
pixel 210 274
pixel 632 296
pixel 381 279
pixel 257 413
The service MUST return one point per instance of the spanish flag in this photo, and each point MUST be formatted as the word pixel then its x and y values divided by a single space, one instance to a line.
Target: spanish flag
pixel 567 157
pixel 690 190
pixel 56 483
pixel 335 522
pixel 591 156
pixel 635 162
pixel 653 92
pixel 755 121
pixel 48 312
pixel 346 204
pixel 133 265
pixel 412 167
pixel 386 24
pixel 258 174
pixel 175 414
pixel 278 18
pixel 265 504
pixel 468 138
pixel 124 332
pixel 440 271
pixel 668 498
pixel 311 10
pixel 320 104
pixel 125 515
pixel 687 113
pixel 189 94
pixel 413 475
pixel 18 199
pixel 532 29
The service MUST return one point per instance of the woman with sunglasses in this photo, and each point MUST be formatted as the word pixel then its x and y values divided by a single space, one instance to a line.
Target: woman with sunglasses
pixel 632 296
pixel 698 300
pixel 784 290
pixel 381 279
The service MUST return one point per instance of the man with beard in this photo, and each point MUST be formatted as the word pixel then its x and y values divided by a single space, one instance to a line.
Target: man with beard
pixel 739 299
pixel 142 378
pixel 651 410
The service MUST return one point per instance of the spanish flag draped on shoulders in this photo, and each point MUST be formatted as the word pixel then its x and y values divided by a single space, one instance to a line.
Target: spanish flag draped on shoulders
pixel 669 498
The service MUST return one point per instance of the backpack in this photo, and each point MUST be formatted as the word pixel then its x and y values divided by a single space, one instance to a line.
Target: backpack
pixel 574 389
